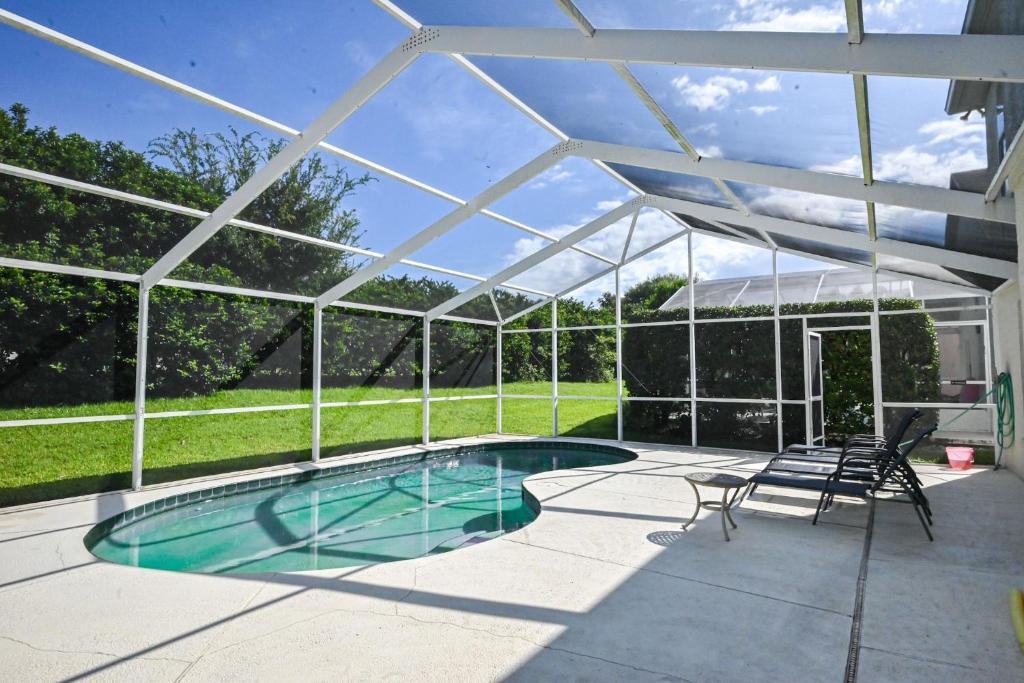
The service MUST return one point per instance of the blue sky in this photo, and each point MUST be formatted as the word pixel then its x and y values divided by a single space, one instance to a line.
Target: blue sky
pixel 436 123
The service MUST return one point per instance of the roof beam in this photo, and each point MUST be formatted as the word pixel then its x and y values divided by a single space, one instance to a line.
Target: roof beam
pixel 450 221
pixel 600 274
pixel 133 69
pixel 410 22
pixel 577 17
pixel 376 78
pixel 854 22
pixel 921 197
pixel 958 57
pixel 860 99
pixel 670 127
pixel 537 257
pixel 627 76
pixel 918 252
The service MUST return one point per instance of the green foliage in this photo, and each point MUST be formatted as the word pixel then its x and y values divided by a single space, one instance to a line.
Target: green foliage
pixel 849 392
pixel 68 340
pixel 736 360
pixel 653 292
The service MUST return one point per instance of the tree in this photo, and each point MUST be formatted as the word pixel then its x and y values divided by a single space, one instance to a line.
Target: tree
pixel 199 341
pixel 653 292
pixel 308 199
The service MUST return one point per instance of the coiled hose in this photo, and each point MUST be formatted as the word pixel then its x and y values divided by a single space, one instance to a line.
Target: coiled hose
pixel 1006 428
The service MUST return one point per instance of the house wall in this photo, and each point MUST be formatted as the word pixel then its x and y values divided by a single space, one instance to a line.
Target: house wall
pixel 1008 340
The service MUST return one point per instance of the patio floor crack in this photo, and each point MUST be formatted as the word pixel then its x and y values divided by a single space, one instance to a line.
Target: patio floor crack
pixel 438 622
pixel 97 653
pixel 926 660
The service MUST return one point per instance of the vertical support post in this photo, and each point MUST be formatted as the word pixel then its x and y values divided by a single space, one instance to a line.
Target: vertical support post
pixel 778 346
pixel 426 380
pixel 876 356
pixel 318 345
pixel 425 498
pixel 498 485
pixel 993 152
pixel 691 282
pixel 989 364
pixel 554 367
pixel 501 340
pixel 618 353
pixel 314 526
pixel 141 344
pixel 808 407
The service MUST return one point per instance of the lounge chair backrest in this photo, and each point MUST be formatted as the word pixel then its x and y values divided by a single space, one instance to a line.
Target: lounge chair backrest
pixel 892 443
pixel 901 456
pixel 903 425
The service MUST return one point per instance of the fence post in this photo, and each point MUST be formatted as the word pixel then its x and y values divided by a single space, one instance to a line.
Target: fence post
pixel 426 380
pixel 142 341
pixel 618 354
pixel 554 367
pixel 318 344
pixel 498 378
pixel 778 347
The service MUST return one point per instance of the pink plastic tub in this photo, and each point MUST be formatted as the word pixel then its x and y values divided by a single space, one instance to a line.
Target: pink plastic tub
pixel 960 457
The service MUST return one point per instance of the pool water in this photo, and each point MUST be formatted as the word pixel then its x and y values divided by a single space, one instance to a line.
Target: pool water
pixel 378 515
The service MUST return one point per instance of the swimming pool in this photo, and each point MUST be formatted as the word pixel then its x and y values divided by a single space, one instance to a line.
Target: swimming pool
pixel 407 506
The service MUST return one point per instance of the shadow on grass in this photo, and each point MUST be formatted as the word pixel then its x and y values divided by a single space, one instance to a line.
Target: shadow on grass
pixel 600 427
pixel 115 481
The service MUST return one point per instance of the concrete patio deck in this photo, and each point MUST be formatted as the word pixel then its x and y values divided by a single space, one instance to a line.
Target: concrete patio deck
pixel 602 586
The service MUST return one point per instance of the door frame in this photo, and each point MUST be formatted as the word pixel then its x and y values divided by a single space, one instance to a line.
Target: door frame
pixel 809 399
pixel 812 337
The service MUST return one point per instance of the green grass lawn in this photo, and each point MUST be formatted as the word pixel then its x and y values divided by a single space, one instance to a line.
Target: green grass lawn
pixel 53 461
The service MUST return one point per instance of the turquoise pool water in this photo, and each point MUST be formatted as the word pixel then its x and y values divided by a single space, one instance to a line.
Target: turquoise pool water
pixel 375 515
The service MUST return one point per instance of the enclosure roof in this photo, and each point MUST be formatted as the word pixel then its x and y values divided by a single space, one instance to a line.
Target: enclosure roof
pixel 810 128
pixel 808 286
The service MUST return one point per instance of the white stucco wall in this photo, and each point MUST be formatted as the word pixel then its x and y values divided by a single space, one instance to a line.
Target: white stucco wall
pixel 1008 340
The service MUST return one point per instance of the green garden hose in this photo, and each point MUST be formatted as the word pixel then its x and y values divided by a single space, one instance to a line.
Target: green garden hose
pixel 1006 428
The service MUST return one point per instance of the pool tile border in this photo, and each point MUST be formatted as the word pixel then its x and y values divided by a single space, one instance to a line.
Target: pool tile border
pixel 162 505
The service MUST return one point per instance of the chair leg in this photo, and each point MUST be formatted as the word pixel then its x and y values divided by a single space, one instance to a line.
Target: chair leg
pixel 920 517
pixel 725 511
pixel 818 510
pixel 696 507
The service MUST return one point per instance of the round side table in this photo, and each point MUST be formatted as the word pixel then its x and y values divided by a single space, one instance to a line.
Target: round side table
pixel 717 480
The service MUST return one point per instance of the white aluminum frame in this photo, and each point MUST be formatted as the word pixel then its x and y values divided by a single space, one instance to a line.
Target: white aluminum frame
pixel 958 57
pixel 949 57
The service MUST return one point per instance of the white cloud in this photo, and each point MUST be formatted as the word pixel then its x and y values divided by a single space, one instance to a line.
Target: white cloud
pixel 607 205
pixel 770 17
pixel 553 176
pixel 762 110
pixel 570 267
pixel 944 130
pixel 883 8
pixel 809 208
pixel 715 258
pixel 960 149
pixel 913 165
pixel 710 129
pixel 714 93
pixel 710 151
pixel 770 84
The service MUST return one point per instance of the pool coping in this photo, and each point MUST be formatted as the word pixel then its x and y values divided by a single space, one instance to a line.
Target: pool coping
pixel 161 505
